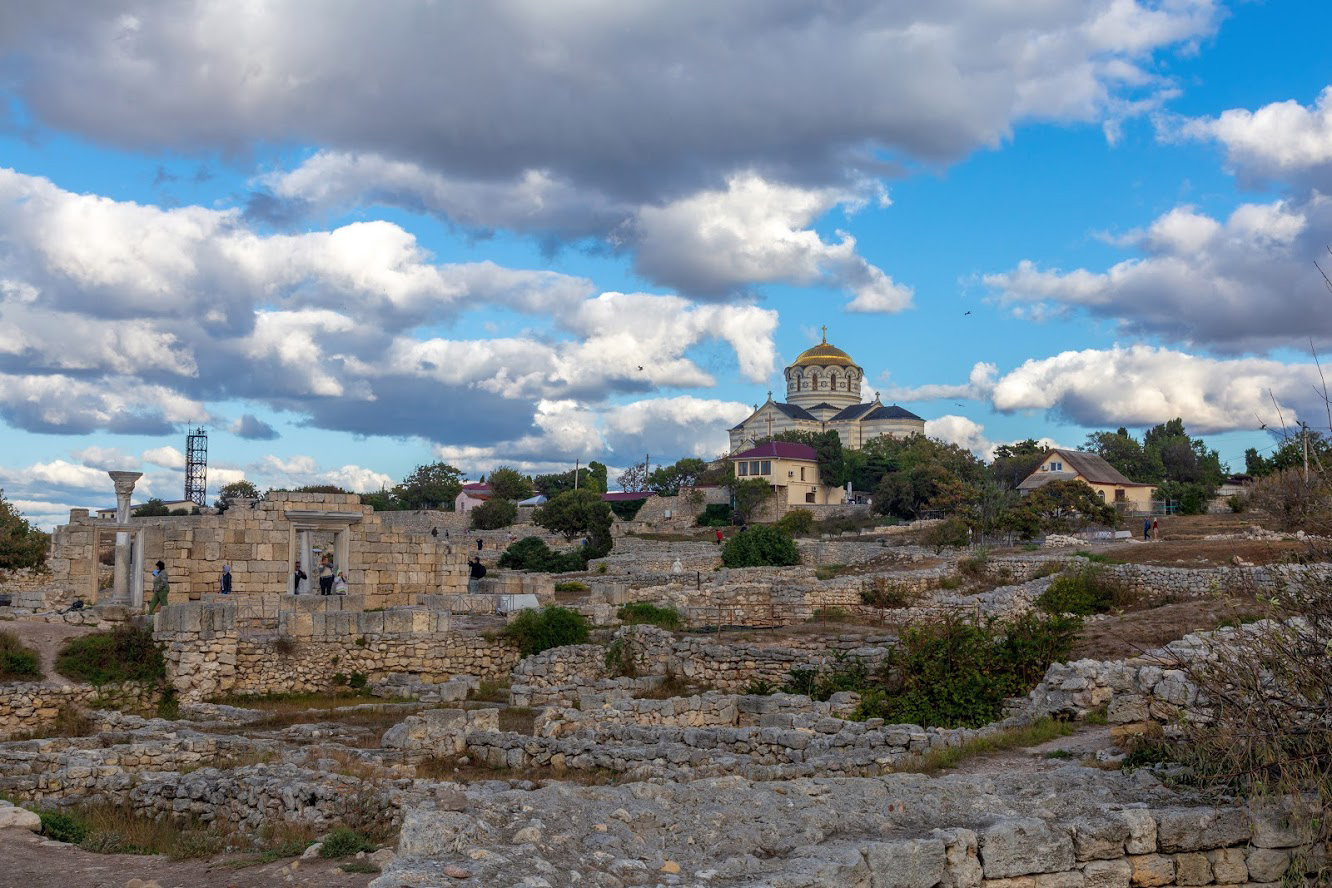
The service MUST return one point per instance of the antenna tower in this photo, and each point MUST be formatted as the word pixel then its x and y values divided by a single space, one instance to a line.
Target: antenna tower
pixel 196 466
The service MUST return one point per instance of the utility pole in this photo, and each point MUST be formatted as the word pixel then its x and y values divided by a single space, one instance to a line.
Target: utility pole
pixel 647 468
pixel 1304 434
pixel 575 474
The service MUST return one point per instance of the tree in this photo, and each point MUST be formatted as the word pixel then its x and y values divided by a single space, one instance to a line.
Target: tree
pixel 1123 451
pixel 152 509
pixel 634 478
pixel 433 486
pixel 748 495
pixel 21 544
pixel 590 477
pixel 763 545
pixel 1059 507
pixel 668 480
pixel 1014 462
pixel 576 513
pixel 1181 466
pixel 381 501
pixel 241 489
pixel 834 469
pixel 494 513
pixel 507 483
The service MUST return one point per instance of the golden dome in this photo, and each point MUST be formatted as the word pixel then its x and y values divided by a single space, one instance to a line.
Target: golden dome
pixel 824 355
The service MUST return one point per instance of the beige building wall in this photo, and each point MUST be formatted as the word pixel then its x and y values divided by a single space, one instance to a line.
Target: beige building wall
pixel 796 481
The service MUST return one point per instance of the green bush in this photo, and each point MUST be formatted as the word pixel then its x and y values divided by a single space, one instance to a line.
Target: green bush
pixel 571 586
pixel 63 827
pixel 494 514
pixel 535 631
pixel 343 842
pixel 17 661
pixel 126 653
pixel 357 680
pixel 645 612
pixel 531 553
pixel 957 673
pixel 797 521
pixel 760 546
pixel 949 532
pixel 882 592
pixel 1084 591
pixel 842 673
pixel 715 515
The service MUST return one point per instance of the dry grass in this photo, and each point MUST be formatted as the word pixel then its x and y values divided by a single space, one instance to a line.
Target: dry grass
pixel 1038 732
pixel 518 720
pixel 280 703
pixel 231 762
pixel 70 721
pixel 114 829
pixel 449 769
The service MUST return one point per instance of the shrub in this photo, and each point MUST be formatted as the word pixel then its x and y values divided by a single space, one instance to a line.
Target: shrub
pixel 949 532
pixel 760 546
pixel 1237 502
pixel 571 586
pixel 283 645
pixel 882 592
pixel 357 680
pixel 126 653
pixel 531 553
pixel 627 510
pixel 63 827
pixel 343 842
pixel 761 687
pixel 17 661
pixel 841 673
pixel 974 568
pixel 957 673
pixel 715 515
pixel 797 521
pixel 619 659
pixel 1084 591
pixel 494 514
pixel 534 631
pixel 645 612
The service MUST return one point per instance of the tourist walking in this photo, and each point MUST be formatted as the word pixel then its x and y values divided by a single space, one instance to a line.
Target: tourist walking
pixel 298 576
pixel 326 576
pixel 1156 528
pixel 1146 529
pixel 161 587
pixel 225 583
pixel 719 536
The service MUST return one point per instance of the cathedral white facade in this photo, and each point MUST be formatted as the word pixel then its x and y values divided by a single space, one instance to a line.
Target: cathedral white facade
pixel 823 394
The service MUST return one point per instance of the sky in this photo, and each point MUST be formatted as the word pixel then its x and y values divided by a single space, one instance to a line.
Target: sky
pixel 349 239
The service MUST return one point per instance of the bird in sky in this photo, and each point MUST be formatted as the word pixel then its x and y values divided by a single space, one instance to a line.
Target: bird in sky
pixel 965 313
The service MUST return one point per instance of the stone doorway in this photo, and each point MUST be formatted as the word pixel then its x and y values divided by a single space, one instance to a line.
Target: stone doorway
pixel 314 535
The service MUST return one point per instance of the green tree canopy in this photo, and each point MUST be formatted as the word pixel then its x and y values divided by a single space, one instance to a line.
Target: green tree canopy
pixel 21 544
pixel 1289 454
pixel 761 545
pixel 589 478
pixel 1058 507
pixel 1014 462
pixel 1182 467
pixel 576 513
pixel 668 480
pixel 241 489
pixel 508 483
pixel 634 478
pixel 151 509
pixel 433 486
pixel 835 463
pixel 494 513
pixel 748 495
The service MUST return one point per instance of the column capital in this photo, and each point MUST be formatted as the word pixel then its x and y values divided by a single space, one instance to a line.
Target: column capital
pixel 124 481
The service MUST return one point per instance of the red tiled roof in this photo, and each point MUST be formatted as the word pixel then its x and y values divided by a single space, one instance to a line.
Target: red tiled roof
pixel 779 450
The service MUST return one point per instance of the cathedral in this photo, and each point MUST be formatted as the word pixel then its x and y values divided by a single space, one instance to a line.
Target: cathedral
pixel 823 394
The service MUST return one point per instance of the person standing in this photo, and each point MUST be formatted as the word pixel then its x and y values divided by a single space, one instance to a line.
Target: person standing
pixel 478 544
pixel 475 572
pixel 161 588
pixel 1156 528
pixel 719 536
pixel 326 577
pixel 1146 529
pixel 226 579
pixel 340 584
pixel 297 578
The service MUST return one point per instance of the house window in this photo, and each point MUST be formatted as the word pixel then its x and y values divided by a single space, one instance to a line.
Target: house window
pixel 753 467
pixel 1119 495
pixel 1101 494
pixel 767 467
pixel 809 497
pixel 1056 467
pixel 802 473
pixel 742 468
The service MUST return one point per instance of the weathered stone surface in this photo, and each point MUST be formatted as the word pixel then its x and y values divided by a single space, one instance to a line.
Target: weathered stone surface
pixel 1107 874
pixel 1192 869
pixel 962 868
pixel 1150 870
pixel 1228 867
pixel 1194 829
pixel 1267 864
pixel 1025 845
pixel 19 818
pixel 910 863
pixel 1102 838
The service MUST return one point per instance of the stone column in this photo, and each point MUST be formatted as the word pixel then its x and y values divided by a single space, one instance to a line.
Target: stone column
pixel 124 482
pixel 304 549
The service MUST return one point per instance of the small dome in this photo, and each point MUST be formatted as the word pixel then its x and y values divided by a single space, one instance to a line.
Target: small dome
pixel 823 355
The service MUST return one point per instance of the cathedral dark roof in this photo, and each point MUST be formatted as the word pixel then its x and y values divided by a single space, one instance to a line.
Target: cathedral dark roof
pixel 852 412
pixel 795 411
pixel 893 412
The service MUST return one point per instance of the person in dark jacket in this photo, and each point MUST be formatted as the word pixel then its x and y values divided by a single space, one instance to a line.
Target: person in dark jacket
pixel 297 577
pixel 226 579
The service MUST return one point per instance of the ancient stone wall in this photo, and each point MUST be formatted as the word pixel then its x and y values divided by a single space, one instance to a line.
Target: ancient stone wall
pixel 26 707
pixel 258 543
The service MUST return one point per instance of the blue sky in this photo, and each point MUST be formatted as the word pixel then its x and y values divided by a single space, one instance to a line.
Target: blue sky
pixel 527 233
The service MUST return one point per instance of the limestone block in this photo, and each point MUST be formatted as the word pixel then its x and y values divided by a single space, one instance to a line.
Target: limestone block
pixel 1201 829
pixel 1019 846
pixel 1277 827
pixel 1228 866
pixel 1192 869
pixel 1150 870
pixel 1142 831
pixel 1107 874
pixel 1100 838
pixel 909 863
pixel 1267 864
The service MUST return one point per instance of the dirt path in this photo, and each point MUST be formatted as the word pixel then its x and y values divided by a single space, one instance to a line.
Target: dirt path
pixel 1083 743
pixel 46 639
pixel 1128 635
pixel 33 862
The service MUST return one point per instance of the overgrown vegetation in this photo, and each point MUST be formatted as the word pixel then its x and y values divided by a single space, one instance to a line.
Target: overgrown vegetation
pixel 1084 591
pixel 646 612
pixel 531 553
pixel 759 546
pixel 571 586
pixel 1034 734
pixel 619 659
pixel 21 543
pixel 534 631
pixel 115 829
pixel 714 515
pixel 883 592
pixel 126 653
pixel 344 842
pixel 494 514
pixel 578 513
pixel 797 522
pixel 18 662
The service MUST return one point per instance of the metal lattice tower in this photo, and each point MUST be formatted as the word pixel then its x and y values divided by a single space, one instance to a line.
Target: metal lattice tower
pixel 196 466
